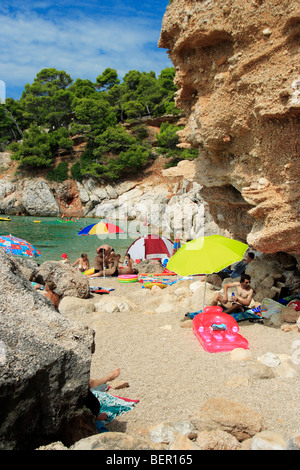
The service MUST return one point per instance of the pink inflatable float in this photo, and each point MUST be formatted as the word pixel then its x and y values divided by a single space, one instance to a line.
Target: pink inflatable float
pixel 217 331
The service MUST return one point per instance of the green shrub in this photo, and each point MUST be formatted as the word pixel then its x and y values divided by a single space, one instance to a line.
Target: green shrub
pixel 60 173
pixel 76 172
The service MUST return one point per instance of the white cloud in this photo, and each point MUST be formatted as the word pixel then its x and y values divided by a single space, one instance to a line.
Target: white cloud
pixel 83 47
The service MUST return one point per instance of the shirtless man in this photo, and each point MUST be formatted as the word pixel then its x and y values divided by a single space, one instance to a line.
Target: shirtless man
pixel 50 294
pixel 99 264
pixel 241 301
pixel 99 261
pixel 107 253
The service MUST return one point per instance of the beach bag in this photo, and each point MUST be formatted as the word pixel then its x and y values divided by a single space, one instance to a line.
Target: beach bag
pixel 269 307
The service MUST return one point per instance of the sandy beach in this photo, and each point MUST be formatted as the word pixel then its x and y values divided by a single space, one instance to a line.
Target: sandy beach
pixel 170 373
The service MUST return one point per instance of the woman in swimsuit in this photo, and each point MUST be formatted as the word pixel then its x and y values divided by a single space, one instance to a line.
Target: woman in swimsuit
pixel 83 263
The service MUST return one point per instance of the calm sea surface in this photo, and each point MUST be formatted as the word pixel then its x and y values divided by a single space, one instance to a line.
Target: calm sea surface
pixel 52 237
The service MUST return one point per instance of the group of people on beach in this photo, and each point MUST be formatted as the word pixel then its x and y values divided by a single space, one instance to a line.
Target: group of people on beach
pixel 107 263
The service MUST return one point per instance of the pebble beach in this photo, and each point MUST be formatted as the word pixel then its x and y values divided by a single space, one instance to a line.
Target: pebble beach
pixel 168 371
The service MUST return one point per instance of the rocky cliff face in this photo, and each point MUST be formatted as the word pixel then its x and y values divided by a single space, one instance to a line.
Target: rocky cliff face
pixel 238 77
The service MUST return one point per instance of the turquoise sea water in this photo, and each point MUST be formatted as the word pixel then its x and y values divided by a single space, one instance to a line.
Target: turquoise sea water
pixel 52 237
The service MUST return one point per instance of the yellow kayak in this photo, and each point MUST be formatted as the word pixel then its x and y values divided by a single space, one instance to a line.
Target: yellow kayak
pixel 5 219
pixel 37 221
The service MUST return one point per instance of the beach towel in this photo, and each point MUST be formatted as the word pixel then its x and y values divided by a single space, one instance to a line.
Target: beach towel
pixel 252 314
pixel 247 315
pixel 101 290
pixel 112 405
pixel 193 314
pixel 288 299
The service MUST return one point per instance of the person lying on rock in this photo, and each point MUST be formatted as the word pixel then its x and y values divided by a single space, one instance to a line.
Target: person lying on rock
pixel 239 302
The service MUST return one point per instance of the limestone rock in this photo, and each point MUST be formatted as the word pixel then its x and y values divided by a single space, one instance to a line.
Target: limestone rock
pixel 240 95
pixel 232 417
pixel 181 442
pixel 164 432
pixel 68 280
pixel 45 372
pixel 240 354
pixel 75 308
pixel 217 440
pixel 113 304
pixel 289 314
pixel 53 446
pixel 114 441
pixel 268 440
pixel 270 360
pixel 39 200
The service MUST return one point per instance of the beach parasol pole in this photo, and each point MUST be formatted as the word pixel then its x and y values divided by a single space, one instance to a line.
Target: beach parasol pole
pixel 204 292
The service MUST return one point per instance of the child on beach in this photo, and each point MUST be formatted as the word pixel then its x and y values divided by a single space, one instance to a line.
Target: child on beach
pixel 65 259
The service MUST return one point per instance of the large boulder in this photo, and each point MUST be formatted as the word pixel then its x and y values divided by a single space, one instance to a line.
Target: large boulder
pixel 44 366
pixel 39 200
pixel 69 281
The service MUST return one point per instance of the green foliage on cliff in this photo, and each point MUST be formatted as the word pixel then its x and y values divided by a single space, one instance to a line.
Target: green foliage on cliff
pixel 54 108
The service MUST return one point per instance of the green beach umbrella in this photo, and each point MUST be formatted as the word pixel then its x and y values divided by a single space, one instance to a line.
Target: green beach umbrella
pixel 206 255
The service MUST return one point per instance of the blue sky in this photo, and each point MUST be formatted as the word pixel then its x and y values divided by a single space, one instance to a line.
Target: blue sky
pixel 81 37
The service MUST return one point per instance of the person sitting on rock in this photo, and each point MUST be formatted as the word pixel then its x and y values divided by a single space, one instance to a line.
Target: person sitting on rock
pixel 50 294
pixel 83 263
pixel 239 302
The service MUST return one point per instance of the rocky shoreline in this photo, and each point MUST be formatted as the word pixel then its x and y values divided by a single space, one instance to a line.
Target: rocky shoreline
pixel 167 207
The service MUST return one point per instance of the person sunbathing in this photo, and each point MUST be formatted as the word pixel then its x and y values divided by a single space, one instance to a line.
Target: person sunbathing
pixel 103 380
pixel 91 401
pixel 83 263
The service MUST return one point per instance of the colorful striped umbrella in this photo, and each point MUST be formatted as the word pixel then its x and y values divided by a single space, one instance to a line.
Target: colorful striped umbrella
pixel 100 228
pixel 16 246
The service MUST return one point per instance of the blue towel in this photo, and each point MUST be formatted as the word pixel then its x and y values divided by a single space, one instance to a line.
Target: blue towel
pixel 248 315
pixel 112 406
